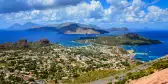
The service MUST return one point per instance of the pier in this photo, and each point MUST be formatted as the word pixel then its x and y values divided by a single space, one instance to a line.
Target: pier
pixel 141 53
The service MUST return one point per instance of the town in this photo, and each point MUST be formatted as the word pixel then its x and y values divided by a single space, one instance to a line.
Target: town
pixel 56 63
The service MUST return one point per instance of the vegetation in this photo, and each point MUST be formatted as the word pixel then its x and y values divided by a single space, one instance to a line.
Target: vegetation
pixel 54 62
pixel 126 39
pixel 157 65
pixel 27 62
pixel 93 75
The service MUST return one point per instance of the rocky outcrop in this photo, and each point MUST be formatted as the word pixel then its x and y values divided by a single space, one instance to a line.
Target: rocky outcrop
pixel 44 41
pixel 2 46
pixel 23 44
pixel 159 77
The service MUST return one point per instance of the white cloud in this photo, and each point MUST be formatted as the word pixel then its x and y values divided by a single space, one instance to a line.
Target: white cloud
pixel 80 12
pixel 10 6
pixel 156 14
pixel 120 11
pixel 42 2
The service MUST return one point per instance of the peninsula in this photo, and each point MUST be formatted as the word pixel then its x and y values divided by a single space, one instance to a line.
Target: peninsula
pixel 125 39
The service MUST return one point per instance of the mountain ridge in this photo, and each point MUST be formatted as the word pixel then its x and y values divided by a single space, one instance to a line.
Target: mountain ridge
pixel 25 26
pixel 71 28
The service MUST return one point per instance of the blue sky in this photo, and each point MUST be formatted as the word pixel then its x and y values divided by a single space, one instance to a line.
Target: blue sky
pixel 104 13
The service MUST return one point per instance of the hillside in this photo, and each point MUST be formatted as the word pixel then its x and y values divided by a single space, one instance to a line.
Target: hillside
pixel 126 39
pixel 77 29
pixel 28 62
pixel 160 77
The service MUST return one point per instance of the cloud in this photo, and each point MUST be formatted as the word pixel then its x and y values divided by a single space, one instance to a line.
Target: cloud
pixel 79 13
pixel 156 14
pixel 120 11
pixel 126 11
pixel 8 6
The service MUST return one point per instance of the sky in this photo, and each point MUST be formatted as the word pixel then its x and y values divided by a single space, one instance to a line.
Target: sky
pixel 104 13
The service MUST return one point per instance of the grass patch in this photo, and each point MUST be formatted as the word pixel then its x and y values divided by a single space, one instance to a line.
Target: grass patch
pixel 92 76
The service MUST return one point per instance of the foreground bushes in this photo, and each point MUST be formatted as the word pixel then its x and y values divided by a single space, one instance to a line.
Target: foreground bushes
pixel 159 65
pixel 93 75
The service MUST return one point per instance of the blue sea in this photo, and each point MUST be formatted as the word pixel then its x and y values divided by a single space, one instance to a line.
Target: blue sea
pixel 53 37
pixel 32 36
pixel 153 51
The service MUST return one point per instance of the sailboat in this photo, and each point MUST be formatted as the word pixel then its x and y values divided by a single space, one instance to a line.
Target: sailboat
pixel 146 52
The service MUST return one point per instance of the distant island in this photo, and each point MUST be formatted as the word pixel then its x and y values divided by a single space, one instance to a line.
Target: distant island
pixel 25 26
pixel 65 28
pixel 119 29
pixel 126 39
pixel 70 28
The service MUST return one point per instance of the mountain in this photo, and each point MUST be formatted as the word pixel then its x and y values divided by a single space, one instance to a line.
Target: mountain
pixel 81 25
pixel 30 25
pixel 71 28
pixel 25 26
pixel 15 26
pixel 74 28
pixel 119 29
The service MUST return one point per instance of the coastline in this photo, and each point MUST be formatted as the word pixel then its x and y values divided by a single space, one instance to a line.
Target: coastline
pixel 130 51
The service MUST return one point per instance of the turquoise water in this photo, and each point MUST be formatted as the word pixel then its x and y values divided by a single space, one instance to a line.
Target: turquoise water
pixel 153 51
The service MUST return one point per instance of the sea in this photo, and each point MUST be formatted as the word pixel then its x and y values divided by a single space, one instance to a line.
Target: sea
pixel 143 53
pixel 148 53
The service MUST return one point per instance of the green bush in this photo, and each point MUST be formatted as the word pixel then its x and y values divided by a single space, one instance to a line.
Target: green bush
pixel 93 75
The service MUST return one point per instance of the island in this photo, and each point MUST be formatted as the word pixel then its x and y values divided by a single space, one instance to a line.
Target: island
pixel 119 29
pixel 125 39
pixel 70 28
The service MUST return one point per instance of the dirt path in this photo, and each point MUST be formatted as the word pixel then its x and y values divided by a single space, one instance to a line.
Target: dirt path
pixel 160 77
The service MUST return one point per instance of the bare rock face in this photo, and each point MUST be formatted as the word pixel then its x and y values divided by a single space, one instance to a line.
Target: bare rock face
pixel 159 77
pixel 2 46
pixel 22 43
pixel 44 41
